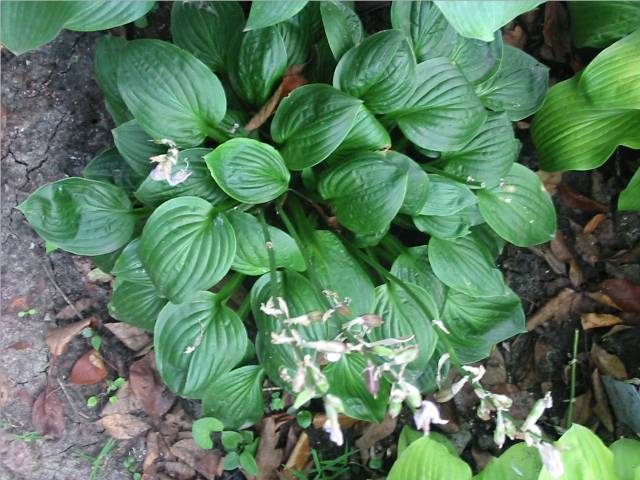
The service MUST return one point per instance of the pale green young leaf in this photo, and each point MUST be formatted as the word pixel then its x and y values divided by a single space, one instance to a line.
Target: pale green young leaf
pixel 518 461
pixel 202 430
pixel 626 458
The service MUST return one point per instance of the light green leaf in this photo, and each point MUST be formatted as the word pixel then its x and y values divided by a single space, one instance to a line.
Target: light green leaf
pixel 428 459
pixel 570 134
pixel 489 154
pixel 311 122
pixel 583 456
pixel 81 216
pixel 202 430
pixel 248 463
pixel 626 458
pixel 629 198
pixel 109 166
pixel 136 147
pixel 137 304
pixel 612 79
pixel 600 23
pixel 480 20
pixel 346 381
pixel 186 246
pixel 248 170
pixel 366 133
pixel 381 71
pixel 182 91
pixel 444 112
pixel 466 265
pixel 342 27
pixel 476 59
pixel 518 87
pixel 105 64
pixel 366 192
pixel 236 397
pixel 28 25
pixel 446 196
pixel 196 342
pixel 477 324
pixel 198 184
pixel 417 183
pixel 519 209
pixel 408 436
pixel 407 314
pixel 269 12
pixel 207 29
pixel 449 226
pixel 105 14
pixel 413 267
pixel 252 256
pixel 129 267
pixel 518 461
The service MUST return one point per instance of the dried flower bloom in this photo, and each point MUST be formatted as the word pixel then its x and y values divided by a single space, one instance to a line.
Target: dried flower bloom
pixel 372 379
pixel 165 163
pixel 427 414
pixel 441 326
pixel 537 411
pixel 551 459
pixel 447 394
pixel 441 363
pixel 333 407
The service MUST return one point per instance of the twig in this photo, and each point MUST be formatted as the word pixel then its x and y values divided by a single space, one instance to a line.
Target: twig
pixel 49 273
pixel 572 391
pixel 71 402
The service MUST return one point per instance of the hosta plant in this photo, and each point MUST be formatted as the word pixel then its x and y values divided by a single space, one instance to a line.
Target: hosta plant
pixel 354 189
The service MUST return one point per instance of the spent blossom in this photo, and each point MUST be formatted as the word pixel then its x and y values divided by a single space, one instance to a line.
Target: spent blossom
pixel 426 415
pixel 165 163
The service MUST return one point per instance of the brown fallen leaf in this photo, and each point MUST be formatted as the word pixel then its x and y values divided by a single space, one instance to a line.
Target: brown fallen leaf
pixel 206 462
pixel 624 293
pixel 156 399
pixel 47 414
pixel 127 402
pixel 597 320
pixel 133 338
pixel 89 369
pixel 123 426
pixel 299 457
pixel 592 224
pixel 18 305
pixel 601 408
pixel 152 453
pixel 23 345
pixel 559 248
pixel 608 363
pixel 603 299
pixel 575 273
pixel 179 471
pixel 268 456
pixel 58 339
pixel 70 311
pixel 343 420
pixel 373 433
pixel 629 256
pixel 556 31
pixel 583 408
pixel 558 307
pixel 550 180
pixel 552 260
pixel 496 372
pixel 516 37
pixel 578 201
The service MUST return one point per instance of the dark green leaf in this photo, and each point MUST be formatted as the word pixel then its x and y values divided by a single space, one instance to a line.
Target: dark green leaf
pixel 182 91
pixel 252 255
pixel 202 430
pixel 232 126
pixel 342 27
pixel 489 238
pixel 196 343
pixel 236 397
pixel 311 122
pixel 629 198
pixel 248 170
pixel 600 23
pixel 81 216
pixel 129 267
pixel 519 209
pixel 105 14
pixel 137 304
pixel 109 166
pixel 476 59
pixel 346 381
pixel 381 71
pixel 449 226
pixel 269 12
pixel 186 246
pixel 136 147
pixel 366 133
pixel 105 64
pixel 417 183
pixel 297 34
pixel 446 196
pixel 413 267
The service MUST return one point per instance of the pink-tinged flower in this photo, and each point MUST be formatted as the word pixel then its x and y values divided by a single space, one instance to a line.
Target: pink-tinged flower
pixel 426 415
pixel 372 379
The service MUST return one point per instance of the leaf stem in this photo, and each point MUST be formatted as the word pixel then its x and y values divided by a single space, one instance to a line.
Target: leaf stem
pixel 572 391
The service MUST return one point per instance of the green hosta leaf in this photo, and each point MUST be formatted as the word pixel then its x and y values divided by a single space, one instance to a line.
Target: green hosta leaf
pixel 248 170
pixel 207 29
pixel 413 267
pixel 339 272
pixel 446 196
pixel 202 430
pixel 518 461
pixel 626 458
pixel 231 126
pixel 346 381
pixel 381 71
pixel 104 262
pixel 466 265
pixel 518 87
pixel 519 209
pixel 137 304
pixel 129 267
pixel 428 459
pixel 342 27
pixel 248 463
pixel 417 183
pixel 489 238
pixel 480 20
pixel 136 147
pixel 109 166
pixel 298 34
pixel 311 122
pixel 407 314
pixel 583 456
pixel 630 197
pixel 28 25
pixel 476 59
pixel 182 91
pixel 408 436
pixel 105 14
pixel 198 184
pixel 186 246
pixel 322 63
pixel 252 256
pixel 489 155
pixel 366 133
pixel 428 31
pixel 598 23
pixel 570 134
pixel 449 226
pixel 236 397
pixel 366 192
pixel 444 112
pixel 197 342
pixel 81 216
pixel 477 324
pixel 105 64
pixel 258 65
pixel 612 79
pixel 269 12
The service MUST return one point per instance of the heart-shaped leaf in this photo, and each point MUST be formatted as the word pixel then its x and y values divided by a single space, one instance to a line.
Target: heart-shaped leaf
pixel 137 304
pixel 477 60
pixel 626 457
pixel 136 147
pixel 202 430
pixel 299 32
pixel 413 266
pixel 105 64
pixel 598 24
pixel 196 342
pixel 248 170
pixel 110 167
pixel 418 185
pixel 182 91
pixel 268 13
pixel 450 226
pixel 81 216
pixel 366 133
pixel 129 267
pixel 105 14
pixel 446 196
pixel 186 246
pixel 342 27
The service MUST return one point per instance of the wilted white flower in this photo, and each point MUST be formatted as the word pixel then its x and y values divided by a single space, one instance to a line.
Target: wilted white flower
pixel 447 394
pixel 551 459
pixel 411 393
pixel 537 411
pixel 500 433
pixel 270 308
pixel 441 326
pixel 332 349
pixel 333 407
pixel 427 414
pixel 372 379
pixel 165 163
pixel 441 363
pixel 476 372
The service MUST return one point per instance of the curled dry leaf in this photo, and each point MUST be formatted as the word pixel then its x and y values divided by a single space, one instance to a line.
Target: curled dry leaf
pixel 575 273
pixel 89 369
pixel 269 457
pixel 559 248
pixel 601 407
pixel 597 320
pixel 550 180
pixel 205 462
pixel 373 433
pixel 153 395
pixel 578 201
pixel 133 338
pixel 608 363
pixel 71 311
pixel 47 414
pixel 558 307
pixel 592 224
pixel 516 37
pixel 123 426
pixel 299 457
pixel 583 408
pixel 127 402
pixel 58 339
pixel 623 293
